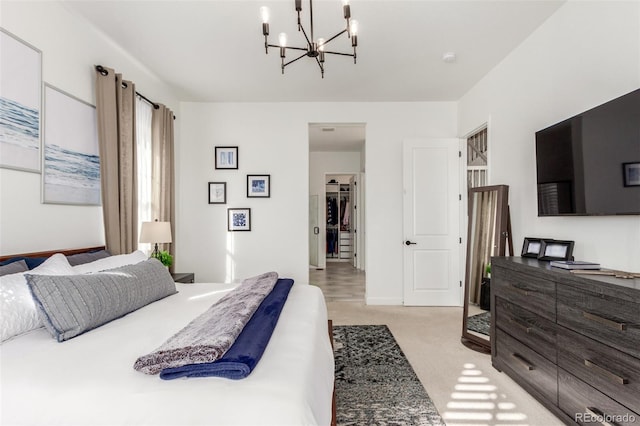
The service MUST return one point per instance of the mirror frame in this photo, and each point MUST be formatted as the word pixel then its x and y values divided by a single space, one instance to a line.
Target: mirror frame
pixel 502 233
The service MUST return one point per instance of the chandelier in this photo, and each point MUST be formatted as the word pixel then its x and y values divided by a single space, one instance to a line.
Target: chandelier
pixel 315 47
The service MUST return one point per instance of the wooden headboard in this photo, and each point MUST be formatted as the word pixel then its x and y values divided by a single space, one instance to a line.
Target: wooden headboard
pixel 66 252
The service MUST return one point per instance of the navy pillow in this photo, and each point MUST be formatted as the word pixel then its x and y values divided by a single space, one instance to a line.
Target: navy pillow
pixel 82 258
pixel 32 262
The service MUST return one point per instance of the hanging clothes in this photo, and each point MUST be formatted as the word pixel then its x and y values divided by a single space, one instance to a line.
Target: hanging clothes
pixel 332 211
pixel 332 242
pixel 345 215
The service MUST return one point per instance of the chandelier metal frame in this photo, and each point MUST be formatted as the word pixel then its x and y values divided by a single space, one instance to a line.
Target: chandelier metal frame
pixel 315 48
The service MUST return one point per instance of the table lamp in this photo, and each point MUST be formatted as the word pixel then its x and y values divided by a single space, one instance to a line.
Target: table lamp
pixel 155 233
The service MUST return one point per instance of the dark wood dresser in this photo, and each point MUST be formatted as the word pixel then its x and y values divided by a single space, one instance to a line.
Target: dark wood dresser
pixel 571 341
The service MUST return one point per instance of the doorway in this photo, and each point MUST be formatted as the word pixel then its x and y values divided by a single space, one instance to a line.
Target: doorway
pixel 337 229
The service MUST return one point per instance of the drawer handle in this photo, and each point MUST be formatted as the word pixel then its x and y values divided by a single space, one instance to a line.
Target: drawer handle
pixel 518 324
pixel 600 415
pixel 605 372
pixel 521 290
pixel 605 321
pixel 522 360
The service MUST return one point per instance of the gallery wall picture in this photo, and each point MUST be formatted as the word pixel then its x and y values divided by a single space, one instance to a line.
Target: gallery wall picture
pixel 239 219
pixel 226 157
pixel 217 193
pixel 258 186
pixel 20 103
pixel 71 168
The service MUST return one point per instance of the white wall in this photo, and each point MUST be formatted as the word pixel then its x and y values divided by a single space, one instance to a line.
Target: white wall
pixel 321 164
pixel 273 138
pixel 587 53
pixel 70 49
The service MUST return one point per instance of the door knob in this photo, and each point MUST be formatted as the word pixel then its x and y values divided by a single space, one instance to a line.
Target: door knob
pixel 409 242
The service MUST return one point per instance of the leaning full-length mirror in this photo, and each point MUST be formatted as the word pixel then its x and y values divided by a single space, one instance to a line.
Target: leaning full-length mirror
pixel 487 236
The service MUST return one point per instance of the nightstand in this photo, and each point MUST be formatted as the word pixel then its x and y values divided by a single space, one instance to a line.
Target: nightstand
pixel 184 277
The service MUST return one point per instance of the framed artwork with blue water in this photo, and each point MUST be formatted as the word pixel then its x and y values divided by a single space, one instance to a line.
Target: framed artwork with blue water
pixel 71 166
pixel 20 103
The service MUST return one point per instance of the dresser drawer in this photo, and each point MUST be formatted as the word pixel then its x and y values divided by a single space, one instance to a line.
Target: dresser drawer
pixel 586 406
pixel 536 332
pixel 614 373
pixel 613 321
pixel 527 365
pixel 537 294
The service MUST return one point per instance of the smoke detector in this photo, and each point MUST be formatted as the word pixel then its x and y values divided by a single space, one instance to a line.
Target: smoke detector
pixel 449 57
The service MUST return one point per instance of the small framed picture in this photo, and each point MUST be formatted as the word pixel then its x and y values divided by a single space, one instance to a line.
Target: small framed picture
pixel 239 219
pixel 531 247
pixel 631 173
pixel 556 250
pixel 226 157
pixel 217 192
pixel 258 186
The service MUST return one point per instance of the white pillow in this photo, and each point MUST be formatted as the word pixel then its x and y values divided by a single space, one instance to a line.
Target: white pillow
pixel 19 313
pixel 111 262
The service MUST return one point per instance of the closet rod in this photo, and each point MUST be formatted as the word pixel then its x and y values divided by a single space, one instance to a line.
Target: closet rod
pixel 102 70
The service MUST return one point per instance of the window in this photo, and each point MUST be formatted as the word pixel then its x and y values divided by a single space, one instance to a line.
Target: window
pixel 143 159
pixel 477 166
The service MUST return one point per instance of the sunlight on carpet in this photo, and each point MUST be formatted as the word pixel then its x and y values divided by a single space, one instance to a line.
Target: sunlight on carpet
pixel 475 401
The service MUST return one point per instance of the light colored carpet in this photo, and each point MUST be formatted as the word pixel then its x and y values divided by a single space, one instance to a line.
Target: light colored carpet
pixel 464 386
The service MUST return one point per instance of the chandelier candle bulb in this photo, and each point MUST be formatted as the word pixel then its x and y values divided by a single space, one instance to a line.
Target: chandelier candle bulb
pixel 264 14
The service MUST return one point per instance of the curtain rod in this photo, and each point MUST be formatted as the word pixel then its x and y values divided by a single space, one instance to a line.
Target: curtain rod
pixel 102 70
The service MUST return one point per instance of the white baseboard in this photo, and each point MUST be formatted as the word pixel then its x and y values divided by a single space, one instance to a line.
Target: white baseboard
pixel 383 301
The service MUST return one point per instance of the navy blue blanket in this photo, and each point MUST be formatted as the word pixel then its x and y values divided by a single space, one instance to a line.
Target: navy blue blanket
pixel 242 357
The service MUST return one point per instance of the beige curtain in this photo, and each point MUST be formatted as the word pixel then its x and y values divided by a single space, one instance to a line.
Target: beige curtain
pixel 163 171
pixel 115 109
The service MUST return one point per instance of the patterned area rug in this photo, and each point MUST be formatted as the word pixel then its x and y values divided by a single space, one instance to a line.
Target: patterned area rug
pixel 480 323
pixel 375 384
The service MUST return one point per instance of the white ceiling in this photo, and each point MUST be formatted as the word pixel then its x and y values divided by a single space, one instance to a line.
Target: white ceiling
pixel 213 50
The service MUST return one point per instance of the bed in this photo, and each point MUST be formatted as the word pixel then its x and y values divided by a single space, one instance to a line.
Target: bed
pixel 90 379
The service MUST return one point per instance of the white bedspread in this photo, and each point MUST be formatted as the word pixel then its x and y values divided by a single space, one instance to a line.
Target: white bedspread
pixel 90 380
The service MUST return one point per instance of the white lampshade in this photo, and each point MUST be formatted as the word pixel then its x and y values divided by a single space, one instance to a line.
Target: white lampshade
pixel 155 232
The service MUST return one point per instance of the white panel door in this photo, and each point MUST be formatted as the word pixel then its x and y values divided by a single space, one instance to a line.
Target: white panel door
pixel 431 223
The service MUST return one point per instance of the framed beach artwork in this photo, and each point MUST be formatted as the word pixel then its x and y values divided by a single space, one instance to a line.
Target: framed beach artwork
pixel 20 103
pixel 71 167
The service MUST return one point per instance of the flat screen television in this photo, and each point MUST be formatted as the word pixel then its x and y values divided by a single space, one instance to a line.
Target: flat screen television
pixel 589 164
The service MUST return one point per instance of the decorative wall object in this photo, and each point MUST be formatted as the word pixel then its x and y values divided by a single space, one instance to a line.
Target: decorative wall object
pixel 71 169
pixel 239 219
pixel 226 157
pixel 217 193
pixel 631 173
pixel 258 186
pixel 20 103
